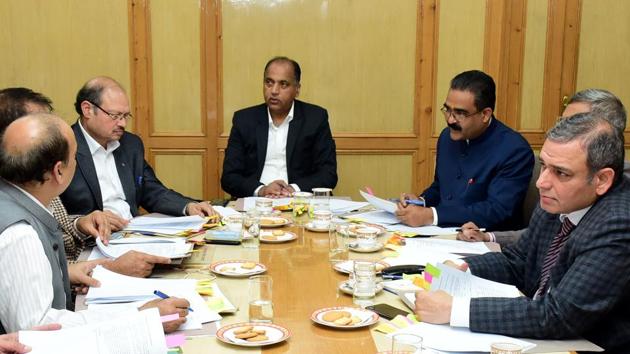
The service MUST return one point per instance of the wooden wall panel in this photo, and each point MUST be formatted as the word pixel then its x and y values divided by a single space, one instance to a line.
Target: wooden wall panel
pixel 181 170
pixel 176 67
pixel 387 174
pixel 53 47
pixel 533 65
pixel 604 47
pixel 357 58
pixel 460 46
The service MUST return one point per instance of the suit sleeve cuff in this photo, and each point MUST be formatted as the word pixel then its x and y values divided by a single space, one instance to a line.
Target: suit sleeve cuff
pixel 493 238
pixel 258 189
pixel 460 312
pixel 435 216
pixel 296 187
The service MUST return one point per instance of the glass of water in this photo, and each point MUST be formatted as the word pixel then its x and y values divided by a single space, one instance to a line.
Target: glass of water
pixel 364 274
pixel 301 204
pixel 321 199
pixel 234 223
pixel 251 229
pixel 260 298
pixel 264 206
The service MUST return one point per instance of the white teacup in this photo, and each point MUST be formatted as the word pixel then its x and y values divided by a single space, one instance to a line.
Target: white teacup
pixel 366 236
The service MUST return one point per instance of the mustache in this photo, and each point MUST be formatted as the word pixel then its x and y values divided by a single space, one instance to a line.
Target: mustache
pixel 455 126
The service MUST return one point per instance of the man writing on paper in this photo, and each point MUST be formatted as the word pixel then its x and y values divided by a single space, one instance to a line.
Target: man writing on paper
pixel 112 173
pixel 78 230
pixel 281 146
pixel 483 167
pixel 572 262
pixel 36 165
pixel 602 103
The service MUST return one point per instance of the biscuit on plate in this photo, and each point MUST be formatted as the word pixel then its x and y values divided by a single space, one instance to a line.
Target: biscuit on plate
pixel 258 338
pixel 278 221
pixel 259 330
pixel 243 329
pixel 332 316
pixel 270 237
pixel 355 320
pixel 343 321
pixel 248 265
pixel 246 335
pixel 278 232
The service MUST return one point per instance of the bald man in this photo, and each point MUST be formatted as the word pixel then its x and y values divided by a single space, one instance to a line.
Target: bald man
pixel 112 173
pixel 37 162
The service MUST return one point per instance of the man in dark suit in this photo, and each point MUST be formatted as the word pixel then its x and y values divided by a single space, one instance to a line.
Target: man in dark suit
pixel 572 263
pixel 478 160
pixel 112 174
pixel 599 101
pixel 281 146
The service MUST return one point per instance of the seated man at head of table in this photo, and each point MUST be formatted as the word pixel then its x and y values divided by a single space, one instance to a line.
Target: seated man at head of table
pixel 572 262
pixel 36 165
pixel 482 167
pixel 78 230
pixel 112 173
pixel 281 146
pixel 603 104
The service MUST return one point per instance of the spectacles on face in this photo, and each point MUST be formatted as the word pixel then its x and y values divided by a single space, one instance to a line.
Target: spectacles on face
pixel 458 115
pixel 113 116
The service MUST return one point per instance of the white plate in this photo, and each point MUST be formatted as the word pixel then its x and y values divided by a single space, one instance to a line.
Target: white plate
pixel 311 227
pixel 367 317
pixel 232 268
pixel 268 237
pixel 355 247
pixel 345 287
pixel 275 333
pixel 353 227
pixel 274 221
pixel 346 266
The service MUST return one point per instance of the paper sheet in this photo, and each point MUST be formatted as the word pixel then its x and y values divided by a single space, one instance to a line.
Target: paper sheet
pixel 444 246
pixel 423 230
pixel 464 284
pixel 169 248
pixel 165 224
pixel 379 203
pixel 380 217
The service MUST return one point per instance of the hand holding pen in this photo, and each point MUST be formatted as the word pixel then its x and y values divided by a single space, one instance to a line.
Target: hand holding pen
pixel 472 233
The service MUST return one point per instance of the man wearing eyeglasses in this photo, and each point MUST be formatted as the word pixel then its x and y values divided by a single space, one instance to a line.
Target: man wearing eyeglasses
pixel 483 167
pixel 112 173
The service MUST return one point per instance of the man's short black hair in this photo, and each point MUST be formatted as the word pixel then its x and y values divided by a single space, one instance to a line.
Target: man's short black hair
pixel 14 101
pixel 480 84
pixel 296 67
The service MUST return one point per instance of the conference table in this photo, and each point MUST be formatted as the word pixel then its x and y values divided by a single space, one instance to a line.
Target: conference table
pixel 303 282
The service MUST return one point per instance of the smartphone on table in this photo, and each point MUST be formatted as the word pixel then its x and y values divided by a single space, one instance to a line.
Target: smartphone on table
pixel 387 311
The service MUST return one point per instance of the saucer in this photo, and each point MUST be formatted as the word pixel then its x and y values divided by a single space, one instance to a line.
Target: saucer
pixel 346 288
pixel 365 317
pixel 273 332
pixel 355 247
pixel 311 227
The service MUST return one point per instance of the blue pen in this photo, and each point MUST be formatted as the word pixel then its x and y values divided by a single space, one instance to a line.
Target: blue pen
pixel 415 202
pixel 164 296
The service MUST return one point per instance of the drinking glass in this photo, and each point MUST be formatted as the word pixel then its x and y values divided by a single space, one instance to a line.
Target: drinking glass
pixel 364 274
pixel 251 229
pixel 264 206
pixel 505 348
pixel 260 298
pixel 321 199
pixel 321 219
pixel 406 343
pixel 301 204
pixel 234 223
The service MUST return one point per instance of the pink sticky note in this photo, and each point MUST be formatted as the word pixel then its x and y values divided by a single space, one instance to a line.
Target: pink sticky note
pixel 369 190
pixel 428 277
pixel 175 340
pixel 167 318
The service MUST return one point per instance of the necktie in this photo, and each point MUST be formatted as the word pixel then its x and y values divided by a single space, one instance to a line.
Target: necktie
pixel 552 255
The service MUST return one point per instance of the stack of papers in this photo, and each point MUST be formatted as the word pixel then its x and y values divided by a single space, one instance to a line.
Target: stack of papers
pixel 124 291
pixel 149 225
pixel 163 247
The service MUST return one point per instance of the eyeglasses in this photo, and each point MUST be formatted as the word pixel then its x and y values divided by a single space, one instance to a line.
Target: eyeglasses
pixel 114 116
pixel 458 115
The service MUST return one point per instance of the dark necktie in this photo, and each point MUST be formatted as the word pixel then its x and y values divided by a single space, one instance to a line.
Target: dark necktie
pixel 552 255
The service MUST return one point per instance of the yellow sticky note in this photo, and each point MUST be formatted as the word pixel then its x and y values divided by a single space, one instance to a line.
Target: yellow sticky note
pixel 390 254
pixel 405 234
pixel 385 328
pixel 392 247
pixel 421 283
pixel 400 321
pixel 215 303
pixel 412 318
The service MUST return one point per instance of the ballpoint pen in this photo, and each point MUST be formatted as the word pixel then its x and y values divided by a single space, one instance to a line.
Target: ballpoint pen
pixel 415 202
pixel 482 229
pixel 164 296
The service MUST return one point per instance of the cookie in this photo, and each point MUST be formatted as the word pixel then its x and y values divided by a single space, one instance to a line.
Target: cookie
pixel 259 331
pixel 243 330
pixel 332 316
pixel 278 221
pixel 248 265
pixel 246 335
pixel 258 338
pixel 277 232
pixel 343 321
pixel 354 320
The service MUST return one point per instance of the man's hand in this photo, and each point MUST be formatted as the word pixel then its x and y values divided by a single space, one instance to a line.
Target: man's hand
pixel 95 224
pixel 80 275
pixel 433 306
pixel 168 307
pixel 116 222
pixel 9 343
pixel 463 267
pixel 470 232
pixel 135 264
pixel 413 215
pixel 201 209
pixel 276 189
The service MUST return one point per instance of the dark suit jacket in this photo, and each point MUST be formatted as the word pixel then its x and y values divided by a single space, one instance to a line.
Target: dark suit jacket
pixel 142 188
pixel 311 156
pixel 589 285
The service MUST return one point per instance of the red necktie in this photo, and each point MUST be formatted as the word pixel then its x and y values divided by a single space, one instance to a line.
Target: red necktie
pixel 552 255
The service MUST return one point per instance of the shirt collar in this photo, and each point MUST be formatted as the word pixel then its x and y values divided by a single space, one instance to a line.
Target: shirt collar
pixel 31 197
pixel 575 216
pixel 287 120
pixel 94 146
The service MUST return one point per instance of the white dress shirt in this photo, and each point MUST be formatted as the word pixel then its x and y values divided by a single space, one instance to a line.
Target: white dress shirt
pixel 108 180
pixel 276 159
pixel 460 309
pixel 26 291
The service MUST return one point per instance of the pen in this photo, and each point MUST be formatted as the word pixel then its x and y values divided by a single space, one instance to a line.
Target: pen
pixel 164 296
pixel 482 229
pixel 391 277
pixel 415 202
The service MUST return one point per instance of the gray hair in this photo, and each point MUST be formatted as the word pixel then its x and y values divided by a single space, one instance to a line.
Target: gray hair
pixel 602 141
pixel 605 104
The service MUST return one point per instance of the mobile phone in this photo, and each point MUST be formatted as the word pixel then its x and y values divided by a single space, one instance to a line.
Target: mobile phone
pixel 223 237
pixel 387 311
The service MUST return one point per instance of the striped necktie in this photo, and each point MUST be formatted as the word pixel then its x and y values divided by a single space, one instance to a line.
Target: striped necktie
pixel 552 255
